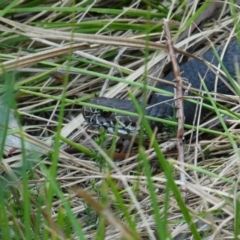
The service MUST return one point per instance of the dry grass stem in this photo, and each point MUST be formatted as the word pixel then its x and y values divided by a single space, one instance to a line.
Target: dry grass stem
pixel 74 185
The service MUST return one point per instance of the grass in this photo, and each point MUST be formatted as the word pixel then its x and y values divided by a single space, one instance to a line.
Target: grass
pixel 50 192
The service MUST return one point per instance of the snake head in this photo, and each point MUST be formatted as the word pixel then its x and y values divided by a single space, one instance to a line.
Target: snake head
pixel 110 120
pixel 114 122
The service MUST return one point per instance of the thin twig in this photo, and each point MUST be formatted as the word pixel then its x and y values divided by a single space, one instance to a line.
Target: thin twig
pixel 178 101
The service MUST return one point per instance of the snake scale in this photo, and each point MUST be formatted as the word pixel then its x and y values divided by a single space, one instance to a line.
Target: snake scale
pixel 163 106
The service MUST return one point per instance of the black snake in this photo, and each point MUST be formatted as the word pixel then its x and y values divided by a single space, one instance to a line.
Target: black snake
pixel 163 106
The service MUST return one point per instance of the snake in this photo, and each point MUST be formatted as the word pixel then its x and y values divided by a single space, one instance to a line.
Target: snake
pixel 163 106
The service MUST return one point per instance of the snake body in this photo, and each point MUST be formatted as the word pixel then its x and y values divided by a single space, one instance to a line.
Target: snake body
pixel 163 106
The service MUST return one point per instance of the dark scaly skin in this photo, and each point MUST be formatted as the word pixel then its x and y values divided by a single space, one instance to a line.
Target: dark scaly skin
pixel 190 71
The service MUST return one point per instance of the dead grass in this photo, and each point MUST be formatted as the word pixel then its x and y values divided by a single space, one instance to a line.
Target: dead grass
pixel 71 195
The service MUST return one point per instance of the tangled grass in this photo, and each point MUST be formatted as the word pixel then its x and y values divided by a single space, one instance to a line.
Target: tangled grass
pixel 55 56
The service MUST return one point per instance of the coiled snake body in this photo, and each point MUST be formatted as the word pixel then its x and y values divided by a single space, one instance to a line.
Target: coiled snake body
pixel 163 106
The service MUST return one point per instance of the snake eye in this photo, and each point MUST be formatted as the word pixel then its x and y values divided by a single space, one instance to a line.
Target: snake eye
pixel 105 114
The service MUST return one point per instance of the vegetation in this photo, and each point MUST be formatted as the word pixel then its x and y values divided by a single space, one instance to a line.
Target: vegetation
pixel 55 57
